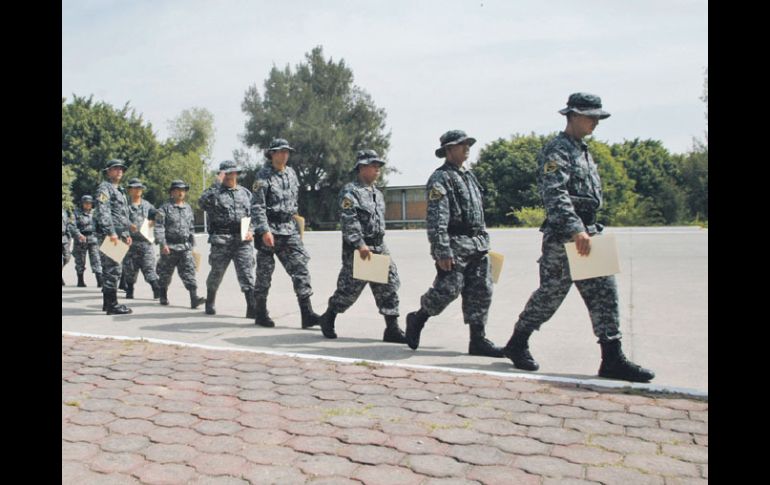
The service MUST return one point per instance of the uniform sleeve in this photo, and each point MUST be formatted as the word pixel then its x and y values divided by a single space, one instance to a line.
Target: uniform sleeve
pixel 72 226
pixel 103 215
pixel 553 175
pixel 191 221
pixel 258 206
pixel 352 233
pixel 437 220
pixel 206 200
pixel 160 227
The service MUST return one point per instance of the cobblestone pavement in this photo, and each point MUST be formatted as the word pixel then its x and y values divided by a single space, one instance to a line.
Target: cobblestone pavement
pixel 139 412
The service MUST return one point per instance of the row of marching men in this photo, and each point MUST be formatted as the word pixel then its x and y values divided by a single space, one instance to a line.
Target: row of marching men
pixel 568 182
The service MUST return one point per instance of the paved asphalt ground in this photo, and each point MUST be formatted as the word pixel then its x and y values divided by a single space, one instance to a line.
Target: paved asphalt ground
pixel 663 293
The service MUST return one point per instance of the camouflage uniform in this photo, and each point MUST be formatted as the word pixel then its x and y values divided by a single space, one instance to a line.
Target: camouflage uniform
pixel 85 225
pixel 141 254
pixel 66 220
pixel 456 229
pixel 362 217
pixel 112 218
pixel 274 206
pixel 175 228
pixel 568 182
pixel 225 208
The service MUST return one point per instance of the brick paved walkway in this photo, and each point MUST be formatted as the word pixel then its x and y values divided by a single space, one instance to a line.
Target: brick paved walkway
pixel 138 412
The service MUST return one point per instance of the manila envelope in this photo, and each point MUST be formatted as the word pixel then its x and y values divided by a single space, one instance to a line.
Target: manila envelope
pixel 601 261
pixel 496 262
pixel 116 252
pixel 374 269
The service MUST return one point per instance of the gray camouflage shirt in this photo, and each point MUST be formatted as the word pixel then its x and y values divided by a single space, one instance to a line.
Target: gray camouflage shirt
pixel 276 196
pixel 568 181
pixel 455 217
pixel 111 210
pixel 175 226
pixel 362 213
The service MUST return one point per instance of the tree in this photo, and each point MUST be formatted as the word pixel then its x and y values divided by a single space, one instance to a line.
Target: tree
pixel 325 117
pixel 95 132
pixel 67 177
pixel 657 178
pixel 193 132
pixel 506 169
pixel 621 206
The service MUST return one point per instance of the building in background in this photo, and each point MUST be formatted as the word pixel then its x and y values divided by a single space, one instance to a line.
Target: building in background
pixel 405 206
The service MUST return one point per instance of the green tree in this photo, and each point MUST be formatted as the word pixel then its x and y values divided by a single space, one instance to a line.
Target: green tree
pixel 67 177
pixel 193 132
pixel 621 205
pixel 658 180
pixel 506 169
pixel 95 132
pixel 325 117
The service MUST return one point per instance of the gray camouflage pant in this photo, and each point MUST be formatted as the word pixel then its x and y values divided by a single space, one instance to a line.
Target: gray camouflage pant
pixel 185 265
pixel 294 258
pixel 92 250
pixel 242 255
pixel 470 277
pixel 140 256
pixel 111 270
pixel 599 294
pixel 349 288
pixel 65 253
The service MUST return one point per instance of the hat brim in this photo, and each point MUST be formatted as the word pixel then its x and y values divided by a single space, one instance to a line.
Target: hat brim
pixel 231 170
pixel 113 166
pixel 593 113
pixel 368 162
pixel 286 147
pixel 466 140
pixel 186 187
pixel 134 186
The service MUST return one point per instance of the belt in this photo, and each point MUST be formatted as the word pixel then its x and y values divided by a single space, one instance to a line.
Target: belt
pixel 278 218
pixel 464 231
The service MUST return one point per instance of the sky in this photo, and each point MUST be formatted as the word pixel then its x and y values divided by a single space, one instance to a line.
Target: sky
pixel 492 68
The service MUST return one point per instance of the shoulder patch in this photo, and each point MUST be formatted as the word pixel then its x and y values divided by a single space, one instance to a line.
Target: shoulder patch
pixel 257 184
pixel 103 197
pixel 550 166
pixel 436 192
pixel 347 203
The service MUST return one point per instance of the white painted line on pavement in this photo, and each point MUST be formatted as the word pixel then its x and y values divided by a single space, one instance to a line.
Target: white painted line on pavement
pixel 535 377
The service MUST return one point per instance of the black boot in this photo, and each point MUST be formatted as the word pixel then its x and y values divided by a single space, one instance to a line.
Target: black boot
pixel 62 280
pixel 129 291
pixel 113 308
pixel 99 281
pixel 309 317
pixel 615 365
pixel 517 349
pixel 251 305
pixel 164 296
pixel 261 316
pixel 122 283
pixel 393 333
pixel 195 300
pixel 155 285
pixel 480 345
pixel 415 321
pixel 106 300
pixel 81 281
pixel 211 297
pixel 327 323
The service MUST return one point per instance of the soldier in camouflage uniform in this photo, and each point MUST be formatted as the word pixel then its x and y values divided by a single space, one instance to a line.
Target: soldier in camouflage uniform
pixel 226 203
pixel 568 182
pixel 175 234
pixel 276 192
pixel 362 216
pixel 459 244
pixel 84 234
pixel 112 223
pixel 66 220
pixel 141 255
